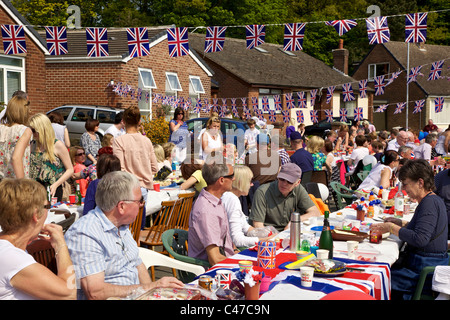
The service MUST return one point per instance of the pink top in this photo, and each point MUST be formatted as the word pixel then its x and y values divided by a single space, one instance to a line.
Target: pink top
pixel 137 156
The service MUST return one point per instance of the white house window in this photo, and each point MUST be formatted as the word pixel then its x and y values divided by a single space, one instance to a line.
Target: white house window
pixel 267 92
pixel 441 118
pixel 377 69
pixel 146 84
pixel 196 83
pixel 12 77
pixel 172 84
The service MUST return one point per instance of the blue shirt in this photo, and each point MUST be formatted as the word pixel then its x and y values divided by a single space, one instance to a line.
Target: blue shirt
pixel 303 159
pixel 89 199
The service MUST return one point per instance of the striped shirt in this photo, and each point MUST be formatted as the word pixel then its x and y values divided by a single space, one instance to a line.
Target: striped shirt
pixel 96 246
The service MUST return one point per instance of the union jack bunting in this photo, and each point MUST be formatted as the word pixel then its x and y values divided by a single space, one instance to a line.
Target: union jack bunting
pixel 97 42
pixel 436 69
pixel 234 107
pixel 224 103
pixel 377 30
pixel 343 115
pixel 414 73
pixel 314 116
pixel 347 91
pixel 438 104
pixel 247 113
pixel 342 26
pixel 300 117
pixel 358 114
pixel 392 78
pixel 56 40
pixel 265 103
pixel 286 116
pixel 198 106
pixel 313 94
pixel 329 115
pixel 399 108
pixel 379 85
pixel 362 88
pixel 277 102
pixel 244 102
pixel 416 27
pixel 13 39
pixel 290 101
pixel 293 36
pixel 382 108
pixel 255 103
pixel 418 106
pixel 272 116
pixel 330 91
pixel 147 96
pixel 255 35
pixel 178 41
pixel 215 38
pixel 138 45
pixel 301 98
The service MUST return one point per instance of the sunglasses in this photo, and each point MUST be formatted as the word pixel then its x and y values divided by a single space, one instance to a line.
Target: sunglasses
pixel 230 176
pixel 80 154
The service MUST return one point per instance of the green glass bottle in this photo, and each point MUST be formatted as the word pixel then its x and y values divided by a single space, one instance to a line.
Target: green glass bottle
pixel 326 239
pixel 78 195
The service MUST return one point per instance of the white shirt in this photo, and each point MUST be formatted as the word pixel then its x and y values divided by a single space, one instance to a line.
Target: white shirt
pixel 423 151
pixel 393 145
pixel 358 154
pixel 251 135
pixel 374 177
pixel 114 131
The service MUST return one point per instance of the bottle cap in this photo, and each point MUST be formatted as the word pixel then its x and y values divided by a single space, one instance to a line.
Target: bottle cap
pixel 295 216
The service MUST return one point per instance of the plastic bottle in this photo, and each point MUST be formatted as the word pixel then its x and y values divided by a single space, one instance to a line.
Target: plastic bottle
pixel 370 210
pixel 295 232
pixel 371 196
pixel 399 202
pixel 380 192
pixel 326 239
pixel 78 195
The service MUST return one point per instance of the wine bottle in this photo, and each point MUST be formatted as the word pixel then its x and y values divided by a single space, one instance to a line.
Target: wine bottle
pixel 78 195
pixel 326 239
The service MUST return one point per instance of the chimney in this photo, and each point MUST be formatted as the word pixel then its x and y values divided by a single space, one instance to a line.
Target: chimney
pixel 340 58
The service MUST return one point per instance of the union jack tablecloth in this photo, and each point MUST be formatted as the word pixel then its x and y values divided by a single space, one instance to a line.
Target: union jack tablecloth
pixel 374 280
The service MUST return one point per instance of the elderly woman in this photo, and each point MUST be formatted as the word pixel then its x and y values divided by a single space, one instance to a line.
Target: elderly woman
pixel 425 235
pixel 382 172
pixel 23 211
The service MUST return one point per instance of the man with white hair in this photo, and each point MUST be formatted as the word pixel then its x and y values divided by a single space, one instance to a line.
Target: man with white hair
pixel 401 140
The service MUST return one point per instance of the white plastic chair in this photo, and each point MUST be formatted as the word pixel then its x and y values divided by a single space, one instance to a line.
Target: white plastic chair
pixel 324 192
pixel 152 258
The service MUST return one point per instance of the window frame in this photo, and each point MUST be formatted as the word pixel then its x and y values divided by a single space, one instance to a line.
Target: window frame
pixel 8 68
pixel 193 86
pixel 170 84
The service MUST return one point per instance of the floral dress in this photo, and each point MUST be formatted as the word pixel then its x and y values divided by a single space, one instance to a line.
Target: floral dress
pixel 8 140
pixel 319 160
pixel 43 170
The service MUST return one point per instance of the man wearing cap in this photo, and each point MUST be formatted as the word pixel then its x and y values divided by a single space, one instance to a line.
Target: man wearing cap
pixel 274 202
pixel 301 156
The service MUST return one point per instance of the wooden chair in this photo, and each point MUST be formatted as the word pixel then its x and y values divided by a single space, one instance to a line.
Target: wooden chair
pixel 185 210
pixel 43 252
pixel 135 227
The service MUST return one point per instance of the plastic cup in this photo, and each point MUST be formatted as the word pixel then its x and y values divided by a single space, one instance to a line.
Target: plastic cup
pixel 385 194
pixel 156 187
pixel 245 265
pixel 307 275
pixel 265 283
pixel 72 199
pixel 352 246
pixel 322 254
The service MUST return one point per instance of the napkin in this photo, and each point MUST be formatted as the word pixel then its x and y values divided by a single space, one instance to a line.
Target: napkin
pixel 62 208
pixel 441 279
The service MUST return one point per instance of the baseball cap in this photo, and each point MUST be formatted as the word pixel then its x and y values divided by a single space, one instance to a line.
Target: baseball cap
pixel 296 136
pixel 290 172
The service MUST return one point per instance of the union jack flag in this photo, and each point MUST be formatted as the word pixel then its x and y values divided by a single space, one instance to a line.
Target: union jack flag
pixel 97 42
pixel 418 106
pixel 301 98
pixel 290 101
pixel 330 92
pixel 347 91
pixel 255 103
pixel 358 114
pixel 178 41
pixel 13 39
pixel 255 35
pixel 393 77
pixel 438 104
pixel 342 26
pixel 277 102
pixel 379 85
pixel 265 103
pixel 399 108
pixel 198 106
pixel 244 102
pixel 313 94
pixel 286 116
pixel 329 115
pixel 382 108
pixel 234 107
pixel 436 69
pixel 314 116
pixel 363 88
pixel 56 40
pixel 224 103
pixel 272 116
pixel 138 45
pixel 293 36
pixel 247 113
pixel 377 30
pixel 300 117
pixel 416 27
pixel 343 115
pixel 215 38
pixel 414 73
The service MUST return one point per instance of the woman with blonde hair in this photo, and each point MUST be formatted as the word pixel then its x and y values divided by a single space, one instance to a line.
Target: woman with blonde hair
pixel 211 140
pixel 50 160
pixel 316 146
pixel 15 139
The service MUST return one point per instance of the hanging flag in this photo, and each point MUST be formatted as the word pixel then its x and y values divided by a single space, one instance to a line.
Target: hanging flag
pixel 56 40
pixel 416 27
pixel 414 73
pixel 286 116
pixel 379 85
pixel 244 102
pixel 247 113
pixel 300 117
pixel 138 45
pixel 358 114
pixel 377 30
pixel 293 36
pixel 342 26
pixel 436 69
pixel 347 91
pixel 289 101
pixel 13 39
pixel 418 106
pixel 198 106
pixel 301 99
pixel 393 77
pixel 343 115
pixel 255 35
pixel 329 115
pixel 277 102
pixel 272 116
pixel 215 38
pixel 330 92
pixel 265 103
pixel 255 103
pixel 314 116
pixel 313 94
pixel 234 107
pixel 178 41
pixel 382 108
pixel 438 104
pixel 363 88
pixel 399 108
pixel 97 42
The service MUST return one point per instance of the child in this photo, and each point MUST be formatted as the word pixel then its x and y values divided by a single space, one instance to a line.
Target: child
pixel 378 149
pixel 250 136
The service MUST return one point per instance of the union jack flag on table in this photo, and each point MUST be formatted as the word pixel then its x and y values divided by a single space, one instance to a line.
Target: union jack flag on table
pixel 178 41
pixel 347 92
pixel 382 108
pixel 438 104
pixel 13 39
pixel 399 108
pixel 286 116
pixel 329 115
pixel 342 26
pixel 414 73
pixel 138 45
pixel 330 92
pixel 416 27
pixel 272 116
pixel 363 88
pixel 418 106
pixel 300 117
pixel 265 103
pixel 56 40
pixel 293 36
pixel 314 116
pixel 436 69
pixel 358 114
pixel 301 99
pixel 343 115
pixel 313 94
pixel 255 35
pixel 97 42
pixel 277 102
pixel 377 30
pixel 379 85
pixel 215 38
pixel 290 101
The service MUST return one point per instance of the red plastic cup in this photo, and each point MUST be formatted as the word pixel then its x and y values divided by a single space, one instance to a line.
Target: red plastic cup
pixel 72 199
pixel 156 187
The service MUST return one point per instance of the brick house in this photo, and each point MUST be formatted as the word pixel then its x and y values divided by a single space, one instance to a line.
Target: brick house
pixel 267 70
pixel 391 57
